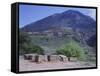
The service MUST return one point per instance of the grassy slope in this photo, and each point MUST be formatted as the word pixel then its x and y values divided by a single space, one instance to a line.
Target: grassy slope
pixel 49 44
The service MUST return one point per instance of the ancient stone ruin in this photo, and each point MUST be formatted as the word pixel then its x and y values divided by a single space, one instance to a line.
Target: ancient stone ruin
pixel 45 58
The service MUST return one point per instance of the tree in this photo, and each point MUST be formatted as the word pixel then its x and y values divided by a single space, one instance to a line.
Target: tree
pixel 26 45
pixel 24 41
pixel 24 38
pixel 72 49
pixel 36 49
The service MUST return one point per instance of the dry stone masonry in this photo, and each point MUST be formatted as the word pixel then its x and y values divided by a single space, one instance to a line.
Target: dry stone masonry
pixel 45 58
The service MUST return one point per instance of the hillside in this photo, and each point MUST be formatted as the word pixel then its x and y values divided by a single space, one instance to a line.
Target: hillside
pixel 70 18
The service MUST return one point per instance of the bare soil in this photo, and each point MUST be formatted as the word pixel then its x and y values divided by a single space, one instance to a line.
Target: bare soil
pixel 25 65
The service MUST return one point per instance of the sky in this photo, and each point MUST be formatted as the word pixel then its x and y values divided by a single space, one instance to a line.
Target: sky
pixel 32 13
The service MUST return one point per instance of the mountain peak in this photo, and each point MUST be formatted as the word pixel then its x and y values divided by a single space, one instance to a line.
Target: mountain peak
pixel 72 12
pixel 69 18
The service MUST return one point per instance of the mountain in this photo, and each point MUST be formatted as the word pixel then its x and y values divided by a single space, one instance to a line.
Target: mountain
pixel 92 41
pixel 81 27
pixel 70 18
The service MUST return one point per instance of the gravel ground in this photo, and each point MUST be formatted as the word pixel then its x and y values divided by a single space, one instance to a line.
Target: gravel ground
pixel 25 65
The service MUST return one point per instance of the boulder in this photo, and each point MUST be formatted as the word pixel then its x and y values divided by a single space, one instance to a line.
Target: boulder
pixel 29 56
pixel 63 58
pixel 73 59
pixel 54 58
pixel 39 58
pixel 43 58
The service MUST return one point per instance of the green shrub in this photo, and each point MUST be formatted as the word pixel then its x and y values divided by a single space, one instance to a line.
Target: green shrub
pixel 72 49
pixel 36 49
pixel 26 45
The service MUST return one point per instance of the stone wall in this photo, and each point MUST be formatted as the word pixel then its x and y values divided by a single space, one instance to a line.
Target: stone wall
pixel 45 58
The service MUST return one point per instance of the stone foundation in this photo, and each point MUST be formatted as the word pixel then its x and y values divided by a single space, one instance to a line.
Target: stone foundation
pixel 45 58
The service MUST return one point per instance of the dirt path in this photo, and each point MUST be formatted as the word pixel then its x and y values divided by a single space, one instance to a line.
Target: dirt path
pixel 25 65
